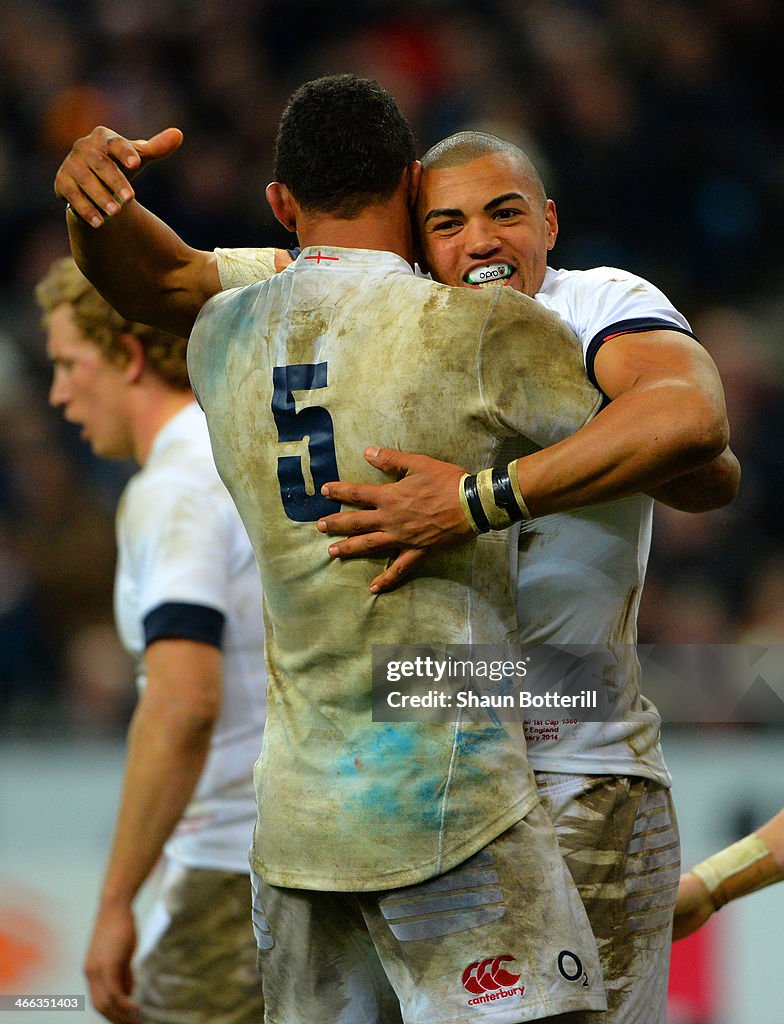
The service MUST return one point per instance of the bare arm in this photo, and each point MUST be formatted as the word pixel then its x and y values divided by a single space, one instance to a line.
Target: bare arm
pixel 712 486
pixel 666 421
pixel 135 260
pixel 667 418
pixel 168 744
pixel 743 868
pixel 142 267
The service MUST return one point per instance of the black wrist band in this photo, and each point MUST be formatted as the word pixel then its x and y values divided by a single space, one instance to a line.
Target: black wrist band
pixel 475 504
pixel 504 494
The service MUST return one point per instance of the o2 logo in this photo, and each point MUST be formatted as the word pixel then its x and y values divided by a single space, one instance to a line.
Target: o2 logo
pixel 570 966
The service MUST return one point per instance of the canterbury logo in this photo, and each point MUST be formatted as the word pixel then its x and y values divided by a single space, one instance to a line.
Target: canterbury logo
pixel 488 975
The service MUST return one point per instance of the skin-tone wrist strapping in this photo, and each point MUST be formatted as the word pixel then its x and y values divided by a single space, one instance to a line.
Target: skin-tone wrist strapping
pixel 742 868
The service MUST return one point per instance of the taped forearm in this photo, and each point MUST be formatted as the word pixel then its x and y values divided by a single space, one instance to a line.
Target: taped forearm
pixel 238 267
pixel 742 868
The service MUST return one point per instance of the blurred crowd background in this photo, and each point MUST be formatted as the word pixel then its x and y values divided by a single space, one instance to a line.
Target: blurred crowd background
pixel 658 130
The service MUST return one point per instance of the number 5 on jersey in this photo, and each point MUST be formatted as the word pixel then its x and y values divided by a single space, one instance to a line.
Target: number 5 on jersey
pixel 313 423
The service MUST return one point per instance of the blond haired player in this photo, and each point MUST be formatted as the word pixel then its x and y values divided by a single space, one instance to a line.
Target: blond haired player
pixel 188 607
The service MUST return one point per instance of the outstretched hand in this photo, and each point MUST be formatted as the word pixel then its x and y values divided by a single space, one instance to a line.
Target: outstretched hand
pixel 95 177
pixel 420 511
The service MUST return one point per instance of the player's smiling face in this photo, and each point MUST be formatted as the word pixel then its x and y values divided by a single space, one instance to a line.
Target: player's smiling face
pixel 87 388
pixel 485 223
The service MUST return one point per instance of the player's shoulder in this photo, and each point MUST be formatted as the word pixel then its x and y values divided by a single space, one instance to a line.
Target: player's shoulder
pixel 592 300
pixel 180 475
pixel 568 287
pixel 224 321
pixel 180 494
pixel 181 460
pixel 230 300
pixel 423 295
pixel 518 308
pixel 587 281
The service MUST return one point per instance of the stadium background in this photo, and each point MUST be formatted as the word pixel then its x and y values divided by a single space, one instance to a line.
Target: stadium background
pixel 658 129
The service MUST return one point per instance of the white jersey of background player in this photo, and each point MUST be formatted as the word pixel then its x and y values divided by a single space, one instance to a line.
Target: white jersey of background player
pixel 185 568
pixel 188 607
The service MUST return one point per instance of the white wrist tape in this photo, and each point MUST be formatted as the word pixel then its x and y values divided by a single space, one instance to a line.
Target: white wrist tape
pixel 742 868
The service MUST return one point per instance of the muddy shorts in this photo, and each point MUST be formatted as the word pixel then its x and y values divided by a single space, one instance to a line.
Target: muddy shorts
pixel 502 938
pixel 196 962
pixel 619 837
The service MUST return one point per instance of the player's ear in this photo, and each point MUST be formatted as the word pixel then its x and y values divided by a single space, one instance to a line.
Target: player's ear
pixel 414 171
pixel 419 252
pixel 279 198
pixel 551 217
pixel 134 356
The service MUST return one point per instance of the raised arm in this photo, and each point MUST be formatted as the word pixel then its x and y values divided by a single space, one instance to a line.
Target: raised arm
pixel 142 267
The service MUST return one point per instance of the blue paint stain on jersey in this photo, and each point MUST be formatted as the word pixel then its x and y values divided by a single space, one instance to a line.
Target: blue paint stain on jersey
pixel 470 740
pixel 430 794
pixel 391 743
pixel 383 741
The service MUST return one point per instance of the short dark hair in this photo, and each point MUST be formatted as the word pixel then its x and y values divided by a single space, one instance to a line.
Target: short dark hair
pixel 342 144
pixel 463 147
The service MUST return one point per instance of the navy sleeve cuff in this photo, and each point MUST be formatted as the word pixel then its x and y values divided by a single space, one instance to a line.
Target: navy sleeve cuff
pixel 181 621
pixel 634 326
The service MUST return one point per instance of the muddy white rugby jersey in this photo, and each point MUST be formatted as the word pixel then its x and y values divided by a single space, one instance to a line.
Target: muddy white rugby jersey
pixel 580 574
pixel 297 375
pixel 186 570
